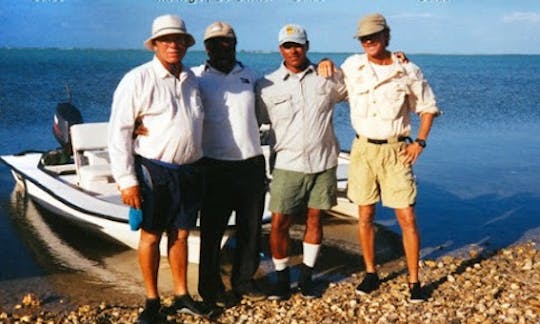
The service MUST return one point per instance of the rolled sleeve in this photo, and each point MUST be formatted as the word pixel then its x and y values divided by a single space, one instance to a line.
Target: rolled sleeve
pixel 423 99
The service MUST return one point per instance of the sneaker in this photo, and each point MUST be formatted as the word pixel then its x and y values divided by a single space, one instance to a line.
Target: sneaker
pixel 369 284
pixel 184 304
pixel 151 313
pixel 306 284
pixel 417 295
pixel 282 289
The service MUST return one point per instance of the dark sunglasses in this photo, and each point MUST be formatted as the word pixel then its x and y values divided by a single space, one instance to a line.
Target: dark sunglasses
pixel 372 37
pixel 289 45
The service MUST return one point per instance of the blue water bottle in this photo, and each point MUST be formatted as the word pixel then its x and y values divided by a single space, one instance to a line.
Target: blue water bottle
pixel 135 218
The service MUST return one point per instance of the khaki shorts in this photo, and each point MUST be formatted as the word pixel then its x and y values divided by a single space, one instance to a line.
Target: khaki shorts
pixel 293 192
pixel 376 172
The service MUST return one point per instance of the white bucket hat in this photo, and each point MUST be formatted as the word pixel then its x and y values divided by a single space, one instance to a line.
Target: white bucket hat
pixel 168 25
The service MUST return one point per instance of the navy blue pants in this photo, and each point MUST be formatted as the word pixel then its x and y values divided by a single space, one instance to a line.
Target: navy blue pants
pixel 238 186
pixel 171 194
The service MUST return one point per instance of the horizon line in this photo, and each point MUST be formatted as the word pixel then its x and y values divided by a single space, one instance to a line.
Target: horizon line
pixel 245 51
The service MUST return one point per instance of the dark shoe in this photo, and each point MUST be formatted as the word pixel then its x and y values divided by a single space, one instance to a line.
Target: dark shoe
pixel 282 289
pixel 226 300
pixel 417 295
pixel 250 292
pixel 151 313
pixel 369 284
pixel 305 283
pixel 184 304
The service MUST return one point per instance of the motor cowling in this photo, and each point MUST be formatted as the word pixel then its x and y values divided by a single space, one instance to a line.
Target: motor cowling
pixel 65 116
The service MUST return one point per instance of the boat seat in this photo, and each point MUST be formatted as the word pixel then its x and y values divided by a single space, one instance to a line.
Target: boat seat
pixel 89 142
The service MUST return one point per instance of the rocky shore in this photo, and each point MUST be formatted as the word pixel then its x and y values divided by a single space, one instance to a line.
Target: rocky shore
pixel 498 287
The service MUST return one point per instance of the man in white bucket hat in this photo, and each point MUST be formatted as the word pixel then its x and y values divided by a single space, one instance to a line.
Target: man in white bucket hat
pixel 158 173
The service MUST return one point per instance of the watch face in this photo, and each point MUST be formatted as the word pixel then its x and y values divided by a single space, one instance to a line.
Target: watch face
pixel 421 142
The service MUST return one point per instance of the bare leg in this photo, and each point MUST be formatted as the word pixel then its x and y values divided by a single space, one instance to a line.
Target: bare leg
pixel 149 261
pixel 411 240
pixel 178 259
pixel 366 233
pixel 279 235
pixel 314 231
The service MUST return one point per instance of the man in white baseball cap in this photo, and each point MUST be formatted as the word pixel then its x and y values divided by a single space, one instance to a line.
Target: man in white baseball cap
pixel 158 173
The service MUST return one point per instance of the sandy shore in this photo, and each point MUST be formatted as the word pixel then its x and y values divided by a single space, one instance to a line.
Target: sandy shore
pixel 496 287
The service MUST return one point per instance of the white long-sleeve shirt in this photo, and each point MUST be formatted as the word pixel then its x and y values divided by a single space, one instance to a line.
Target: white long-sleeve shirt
pixel 170 109
pixel 230 129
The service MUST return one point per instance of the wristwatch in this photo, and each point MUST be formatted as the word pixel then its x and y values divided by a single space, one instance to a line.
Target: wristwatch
pixel 421 142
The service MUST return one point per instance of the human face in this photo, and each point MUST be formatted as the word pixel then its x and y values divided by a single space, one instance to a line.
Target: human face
pixel 221 53
pixel 375 44
pixel 170 49
pixel 295 56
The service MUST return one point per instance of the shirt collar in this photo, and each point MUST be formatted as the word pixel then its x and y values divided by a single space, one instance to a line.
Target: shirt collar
pixel 285 73
pixel 162 72
pixel 363 63
pixel 237 68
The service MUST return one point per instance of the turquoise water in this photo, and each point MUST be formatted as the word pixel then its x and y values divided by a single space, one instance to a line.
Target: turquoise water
pixel 478 178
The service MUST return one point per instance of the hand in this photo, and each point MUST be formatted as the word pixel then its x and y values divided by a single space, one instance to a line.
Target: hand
pixel 401 57
pixel 326 68
pixel 132 197
pixel 411 153
pixel 139 128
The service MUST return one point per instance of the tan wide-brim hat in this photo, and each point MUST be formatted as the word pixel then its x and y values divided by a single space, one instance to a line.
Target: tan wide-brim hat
pixel 219 29
pixel 371 24
pixel 168 25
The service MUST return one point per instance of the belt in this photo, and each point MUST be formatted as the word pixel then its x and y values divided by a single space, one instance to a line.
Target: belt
pixel 391 140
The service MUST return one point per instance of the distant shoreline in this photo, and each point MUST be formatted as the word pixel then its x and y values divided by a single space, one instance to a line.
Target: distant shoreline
pixel 244 51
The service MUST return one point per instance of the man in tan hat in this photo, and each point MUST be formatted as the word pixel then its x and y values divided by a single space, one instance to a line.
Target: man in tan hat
pixel 156 173
pixel 235 169
pixel 299 103
pixel 383 93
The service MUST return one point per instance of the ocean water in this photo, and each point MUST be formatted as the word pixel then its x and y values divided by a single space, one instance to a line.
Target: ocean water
pixel 479 177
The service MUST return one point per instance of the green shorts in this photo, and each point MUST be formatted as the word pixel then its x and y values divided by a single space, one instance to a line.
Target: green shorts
pixel 376 172
pixel 293 192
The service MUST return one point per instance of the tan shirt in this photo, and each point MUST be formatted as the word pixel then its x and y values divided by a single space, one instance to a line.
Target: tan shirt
pixel 381 108
pixel 299 108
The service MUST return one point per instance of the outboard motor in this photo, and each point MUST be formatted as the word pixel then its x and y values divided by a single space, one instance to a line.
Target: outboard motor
pixel 66 115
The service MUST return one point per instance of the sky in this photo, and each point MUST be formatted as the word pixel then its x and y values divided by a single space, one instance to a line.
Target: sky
pixel 417 26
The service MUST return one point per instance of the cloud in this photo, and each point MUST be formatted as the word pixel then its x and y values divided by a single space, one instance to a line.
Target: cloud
pixel 528 17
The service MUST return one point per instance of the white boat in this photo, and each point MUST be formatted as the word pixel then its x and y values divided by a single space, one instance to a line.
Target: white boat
pixel 82 188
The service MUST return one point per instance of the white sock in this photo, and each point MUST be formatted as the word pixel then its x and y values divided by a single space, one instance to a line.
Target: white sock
pixel 281 264
pixel 310 253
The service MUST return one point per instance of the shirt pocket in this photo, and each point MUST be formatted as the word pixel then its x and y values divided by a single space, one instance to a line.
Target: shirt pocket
pixel 392 97
pixel 281 108
pixel 360 102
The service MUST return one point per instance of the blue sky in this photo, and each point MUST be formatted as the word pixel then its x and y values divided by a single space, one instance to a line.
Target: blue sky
pixel 418 26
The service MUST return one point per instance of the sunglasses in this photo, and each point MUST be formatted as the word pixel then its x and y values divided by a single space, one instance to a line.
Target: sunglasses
pixel 169 40
pixel 371 38
pixel 289 45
